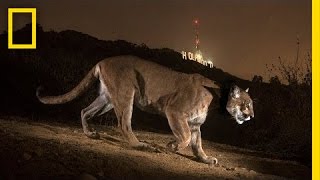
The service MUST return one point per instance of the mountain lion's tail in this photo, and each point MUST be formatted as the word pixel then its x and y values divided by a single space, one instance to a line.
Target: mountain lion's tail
pixel 75 92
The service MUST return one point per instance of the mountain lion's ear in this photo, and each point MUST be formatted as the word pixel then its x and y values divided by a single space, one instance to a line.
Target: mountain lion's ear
pixel 235 91
pixel 247 90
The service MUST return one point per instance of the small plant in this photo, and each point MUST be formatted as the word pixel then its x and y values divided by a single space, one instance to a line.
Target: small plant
pixel 291 72
pixel 288 101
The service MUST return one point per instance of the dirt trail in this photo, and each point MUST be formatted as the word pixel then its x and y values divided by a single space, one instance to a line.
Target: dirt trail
pixel 59 151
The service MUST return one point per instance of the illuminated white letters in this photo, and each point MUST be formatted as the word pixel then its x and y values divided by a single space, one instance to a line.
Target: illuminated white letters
pixel 190 55
pixel 196 57
pixel 184 55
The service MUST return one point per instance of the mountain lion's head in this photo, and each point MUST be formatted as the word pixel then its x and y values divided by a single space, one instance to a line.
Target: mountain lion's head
pixel 240 105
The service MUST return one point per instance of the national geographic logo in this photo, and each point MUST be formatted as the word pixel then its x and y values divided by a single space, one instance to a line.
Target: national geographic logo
pixel 33 12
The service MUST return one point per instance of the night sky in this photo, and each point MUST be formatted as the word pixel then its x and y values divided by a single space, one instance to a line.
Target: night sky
pixel 240 36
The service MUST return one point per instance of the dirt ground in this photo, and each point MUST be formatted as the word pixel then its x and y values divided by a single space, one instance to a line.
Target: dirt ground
pixel 41 150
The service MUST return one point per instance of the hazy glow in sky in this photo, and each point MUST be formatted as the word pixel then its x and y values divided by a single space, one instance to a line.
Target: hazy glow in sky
pixel 239 36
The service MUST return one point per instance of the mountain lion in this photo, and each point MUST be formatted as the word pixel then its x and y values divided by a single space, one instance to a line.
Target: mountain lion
pixel 182 98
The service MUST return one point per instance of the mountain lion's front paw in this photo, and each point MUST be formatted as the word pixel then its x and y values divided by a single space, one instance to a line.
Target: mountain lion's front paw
pixel 210 160
pixel 172 146
pixel 92 134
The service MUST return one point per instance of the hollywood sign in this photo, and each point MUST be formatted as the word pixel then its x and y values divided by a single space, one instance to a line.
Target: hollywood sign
pixel 196 57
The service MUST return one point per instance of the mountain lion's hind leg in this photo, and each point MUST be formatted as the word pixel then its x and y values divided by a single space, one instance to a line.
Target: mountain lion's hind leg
pixel 123 109
pixel 196 142
pixel 99 106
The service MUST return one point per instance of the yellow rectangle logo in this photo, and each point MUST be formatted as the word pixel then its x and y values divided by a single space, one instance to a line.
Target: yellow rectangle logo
pixel 33 12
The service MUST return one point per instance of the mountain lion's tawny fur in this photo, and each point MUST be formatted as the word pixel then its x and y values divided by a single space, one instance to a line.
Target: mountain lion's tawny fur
pixel 127 80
